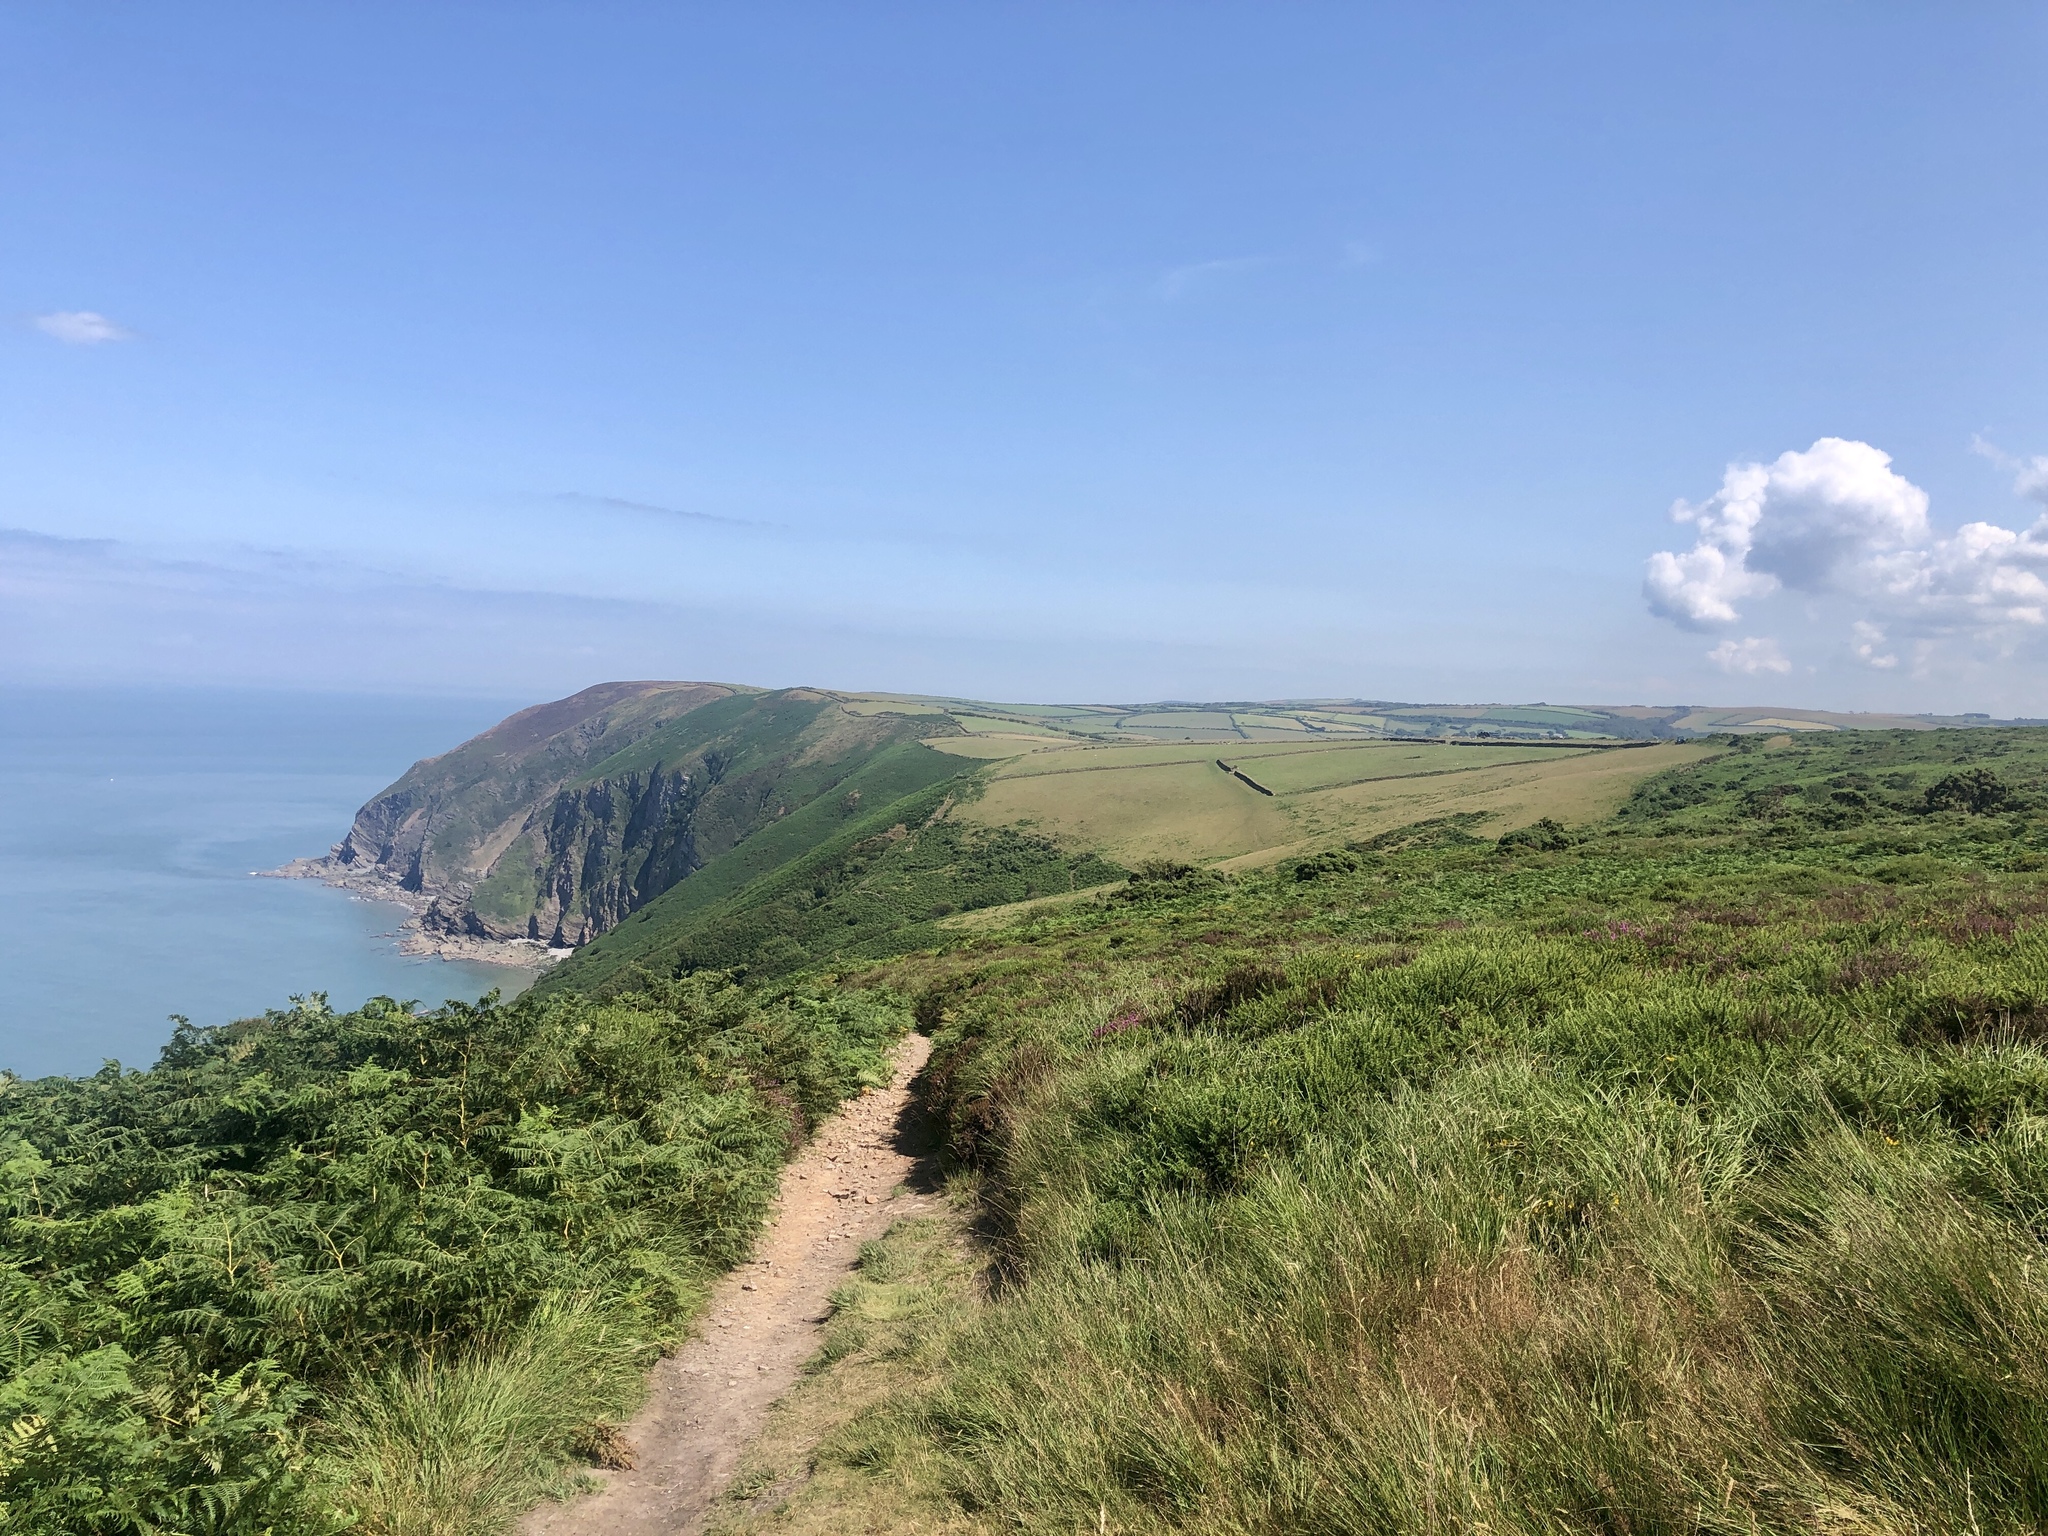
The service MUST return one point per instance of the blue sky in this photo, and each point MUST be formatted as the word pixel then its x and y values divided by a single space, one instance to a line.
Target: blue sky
pixel 1106 351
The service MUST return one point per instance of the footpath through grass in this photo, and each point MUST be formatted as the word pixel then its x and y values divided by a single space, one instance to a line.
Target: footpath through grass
pixel 384 1271
pixel 1687 1174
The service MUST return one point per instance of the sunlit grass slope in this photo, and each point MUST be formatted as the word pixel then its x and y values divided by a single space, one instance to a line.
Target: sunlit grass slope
pixel 1684 1173
pixel 1139 802
pixel 964 823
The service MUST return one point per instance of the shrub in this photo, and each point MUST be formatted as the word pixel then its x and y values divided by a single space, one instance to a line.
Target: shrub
pixel 1977 792
pixel 1545 834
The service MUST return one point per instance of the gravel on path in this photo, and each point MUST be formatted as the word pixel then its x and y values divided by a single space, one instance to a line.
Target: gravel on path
pixel 706 1403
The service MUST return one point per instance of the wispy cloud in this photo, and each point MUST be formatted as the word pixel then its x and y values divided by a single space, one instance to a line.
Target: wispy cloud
pixel 623 504
pixel 1869 645
pixel 1749 657
pixel 80 327
pixel 2029 476
pixel 1206 276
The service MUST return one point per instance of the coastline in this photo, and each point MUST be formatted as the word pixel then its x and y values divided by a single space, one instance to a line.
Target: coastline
pixel 414 937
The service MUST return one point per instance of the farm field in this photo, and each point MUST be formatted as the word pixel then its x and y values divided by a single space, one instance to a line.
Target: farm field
pixel 1132 811
pixel 1286 720
pixel 996 744
pixel 1139 802
pixel 996 725
pixel 1569 787
pixel 1328 767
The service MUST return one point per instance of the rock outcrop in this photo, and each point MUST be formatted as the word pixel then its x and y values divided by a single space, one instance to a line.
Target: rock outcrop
pixel 558 823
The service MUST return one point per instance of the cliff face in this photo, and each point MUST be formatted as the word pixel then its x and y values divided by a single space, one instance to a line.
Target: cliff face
pixel 432 830
pixel 560 822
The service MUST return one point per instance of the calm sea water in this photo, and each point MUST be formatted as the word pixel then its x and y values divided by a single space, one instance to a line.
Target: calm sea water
pixel 129 823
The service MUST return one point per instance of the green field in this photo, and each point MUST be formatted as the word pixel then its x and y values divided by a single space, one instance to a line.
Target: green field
pixel 1139 802
pixel 1332 767
pixel 1003 727
pixel 996 744
pixel 1286 720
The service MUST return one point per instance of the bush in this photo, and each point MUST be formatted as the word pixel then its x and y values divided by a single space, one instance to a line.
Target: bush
pixel 1165 879
pixel 1546 835
pixel 1976 792
pixel 1334 861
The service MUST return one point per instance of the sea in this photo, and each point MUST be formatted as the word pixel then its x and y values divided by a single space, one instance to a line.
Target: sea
pixel 131 823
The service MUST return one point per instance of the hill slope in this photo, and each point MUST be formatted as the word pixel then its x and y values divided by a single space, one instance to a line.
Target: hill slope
pixel 557 824
pixel 1679 1173
pixel 704 825
pixel 1680 1170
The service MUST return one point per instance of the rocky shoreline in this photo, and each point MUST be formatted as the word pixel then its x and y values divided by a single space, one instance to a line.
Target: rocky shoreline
pixel 414 936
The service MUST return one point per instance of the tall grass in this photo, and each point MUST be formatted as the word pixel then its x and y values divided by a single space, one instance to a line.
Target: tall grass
pixel 462 1446
pixel 1504 1304
pixel 1667 1192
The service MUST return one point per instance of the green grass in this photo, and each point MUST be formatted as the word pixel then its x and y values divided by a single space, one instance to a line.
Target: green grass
pixel 905 780
pixel 1690 1174
pixel 878 886
pixel 1334 766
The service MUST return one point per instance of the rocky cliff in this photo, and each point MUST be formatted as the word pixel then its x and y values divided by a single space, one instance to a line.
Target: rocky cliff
pixel 553 826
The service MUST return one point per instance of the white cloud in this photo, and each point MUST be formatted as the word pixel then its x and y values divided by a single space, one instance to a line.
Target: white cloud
pixel 1839 521
pixel 80 327
pixel 2029 476
pixel 1869 639
pixel 1749 656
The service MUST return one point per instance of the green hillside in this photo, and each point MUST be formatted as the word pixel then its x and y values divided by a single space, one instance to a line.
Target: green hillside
pixel 868 873
pixel 427 832
pixel 672 803
pixel 1686 1171
pixel 1683 1167
pixel 660 802
pixel 560 822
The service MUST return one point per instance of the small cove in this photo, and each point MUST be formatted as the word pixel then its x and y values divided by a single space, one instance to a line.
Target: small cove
pixel 130 821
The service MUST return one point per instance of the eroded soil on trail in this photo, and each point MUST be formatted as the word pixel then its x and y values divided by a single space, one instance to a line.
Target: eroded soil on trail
pixel 706 1403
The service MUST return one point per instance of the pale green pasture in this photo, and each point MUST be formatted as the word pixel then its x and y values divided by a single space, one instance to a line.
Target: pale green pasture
pixel 996 724
pixel 1293 772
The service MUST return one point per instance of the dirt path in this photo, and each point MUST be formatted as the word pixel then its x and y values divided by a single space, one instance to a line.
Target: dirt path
pixel 705 1404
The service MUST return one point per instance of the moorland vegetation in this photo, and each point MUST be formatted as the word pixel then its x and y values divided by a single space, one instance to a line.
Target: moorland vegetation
pixel 1683 1172
pixel 1683 1168
pixel 385 1270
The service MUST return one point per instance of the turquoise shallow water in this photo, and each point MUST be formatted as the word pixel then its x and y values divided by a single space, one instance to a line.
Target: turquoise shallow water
pixel 129 823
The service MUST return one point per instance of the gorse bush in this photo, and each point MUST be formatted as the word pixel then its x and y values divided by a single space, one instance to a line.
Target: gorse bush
pixel 305 1260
